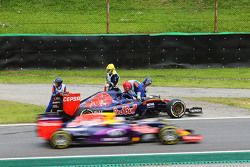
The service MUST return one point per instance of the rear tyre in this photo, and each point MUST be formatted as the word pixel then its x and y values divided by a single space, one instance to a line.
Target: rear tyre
pixel 176 108
pixel 60 140
pixel 168 135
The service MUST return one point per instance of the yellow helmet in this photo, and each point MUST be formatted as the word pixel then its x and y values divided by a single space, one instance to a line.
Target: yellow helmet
pixel 110 68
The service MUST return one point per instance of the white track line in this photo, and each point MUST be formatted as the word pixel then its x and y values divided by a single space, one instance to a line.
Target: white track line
pixel 118 155
pixel 211 118
pixel 181 119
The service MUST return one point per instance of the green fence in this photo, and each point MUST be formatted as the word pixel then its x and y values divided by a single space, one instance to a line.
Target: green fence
pixel 125 16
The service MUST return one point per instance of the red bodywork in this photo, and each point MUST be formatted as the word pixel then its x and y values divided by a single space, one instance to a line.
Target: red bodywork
pixel 71 103
pixel 45 128
pixel 100 100
pixel 87 119
pixel 192 138
pixel 145 129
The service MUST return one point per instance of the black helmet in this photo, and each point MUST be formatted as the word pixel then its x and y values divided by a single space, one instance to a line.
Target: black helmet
pixel 58 81
pixel 147 81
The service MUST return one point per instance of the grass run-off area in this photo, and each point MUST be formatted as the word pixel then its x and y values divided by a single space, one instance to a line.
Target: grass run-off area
pixel 236 102
pixel 14 112
pixel 126 16
pixel 206 78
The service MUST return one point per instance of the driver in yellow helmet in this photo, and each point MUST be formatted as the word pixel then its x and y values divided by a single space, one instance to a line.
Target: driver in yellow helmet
pixel 112 78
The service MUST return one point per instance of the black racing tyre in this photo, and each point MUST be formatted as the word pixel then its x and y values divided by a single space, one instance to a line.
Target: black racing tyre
pixel 82 111
pixel 168 135
pixel 60 140
pixel 176 108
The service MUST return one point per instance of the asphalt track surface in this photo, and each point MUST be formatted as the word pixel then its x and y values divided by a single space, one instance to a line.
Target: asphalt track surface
pixel 219 134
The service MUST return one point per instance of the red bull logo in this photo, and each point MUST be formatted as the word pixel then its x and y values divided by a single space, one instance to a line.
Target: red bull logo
pixel 126 110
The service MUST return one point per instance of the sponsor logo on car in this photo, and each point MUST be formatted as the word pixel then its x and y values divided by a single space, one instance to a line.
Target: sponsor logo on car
pixel 116 132
pixel 69 99
pixel 119 139
pixel 195 110
pixel 151 105
pixel 97 111
pixel 125 110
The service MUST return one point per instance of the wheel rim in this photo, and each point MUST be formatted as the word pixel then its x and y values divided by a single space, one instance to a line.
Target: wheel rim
pixel 60 140
pixel 170 135
pixel 178 109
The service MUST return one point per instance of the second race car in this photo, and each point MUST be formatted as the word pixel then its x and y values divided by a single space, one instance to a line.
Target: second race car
pixel 106 128
pixel 113 101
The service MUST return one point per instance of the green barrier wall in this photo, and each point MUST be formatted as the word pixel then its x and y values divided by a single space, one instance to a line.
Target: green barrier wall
pixel 165 50
pixel 133 160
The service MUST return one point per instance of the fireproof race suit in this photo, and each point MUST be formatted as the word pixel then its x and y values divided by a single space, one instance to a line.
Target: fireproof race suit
pixel 112 81
pixel 138 89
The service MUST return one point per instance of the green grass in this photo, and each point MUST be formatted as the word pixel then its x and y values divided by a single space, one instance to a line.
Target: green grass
pixel 237 102
pixel 14 112
pixel 126 16
pixel 213 78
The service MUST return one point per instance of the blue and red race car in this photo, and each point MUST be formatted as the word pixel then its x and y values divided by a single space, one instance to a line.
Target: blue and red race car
pixel 114 101
pixel 106 128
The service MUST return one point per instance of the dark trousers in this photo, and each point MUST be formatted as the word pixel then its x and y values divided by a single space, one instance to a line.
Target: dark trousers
pixel 48 109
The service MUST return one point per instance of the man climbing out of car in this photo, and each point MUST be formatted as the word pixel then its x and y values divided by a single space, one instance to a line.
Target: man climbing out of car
pixel 112 78
pixel 136 90
pixel 57 88
pixel 128 91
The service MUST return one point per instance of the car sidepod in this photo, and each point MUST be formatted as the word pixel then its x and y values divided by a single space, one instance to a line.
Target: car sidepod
pixel 102 134
pixel 143 132
pixel 111 134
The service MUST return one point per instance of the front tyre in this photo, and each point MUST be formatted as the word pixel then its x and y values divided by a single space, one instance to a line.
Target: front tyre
pixel 168 135
pixel 60 140
pixel 176 108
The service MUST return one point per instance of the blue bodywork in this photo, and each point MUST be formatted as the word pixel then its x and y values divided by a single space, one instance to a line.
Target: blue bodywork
pixel 114 101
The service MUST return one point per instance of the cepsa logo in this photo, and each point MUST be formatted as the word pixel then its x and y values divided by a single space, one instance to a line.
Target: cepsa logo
pixel 126 110
pixel 73 98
